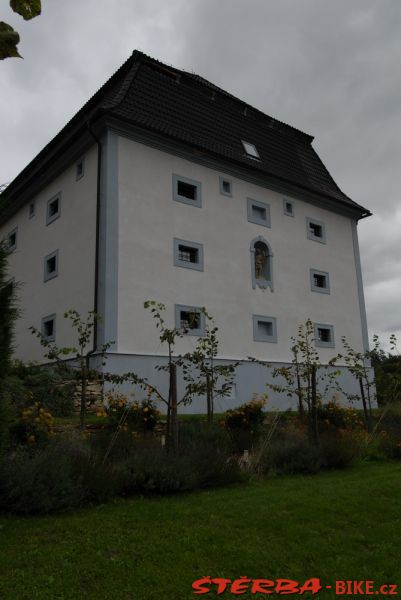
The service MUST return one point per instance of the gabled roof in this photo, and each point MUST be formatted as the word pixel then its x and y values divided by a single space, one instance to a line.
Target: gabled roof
pixel 185 107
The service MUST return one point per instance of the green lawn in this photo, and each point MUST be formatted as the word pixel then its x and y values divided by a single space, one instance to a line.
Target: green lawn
pixel 338 525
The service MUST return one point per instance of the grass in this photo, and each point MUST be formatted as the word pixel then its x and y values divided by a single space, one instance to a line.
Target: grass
pixel 337 525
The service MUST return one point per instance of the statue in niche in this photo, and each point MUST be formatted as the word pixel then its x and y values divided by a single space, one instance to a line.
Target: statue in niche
pixel 261 257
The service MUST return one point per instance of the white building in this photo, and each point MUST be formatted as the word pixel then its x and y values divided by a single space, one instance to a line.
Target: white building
pixel 165 187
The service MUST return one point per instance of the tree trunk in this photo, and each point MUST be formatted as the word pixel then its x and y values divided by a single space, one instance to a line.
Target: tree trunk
pixel 209 398
pixel 83 399
pixel 299 393
pixel 313 415
pixel 365 408
pixel 174 408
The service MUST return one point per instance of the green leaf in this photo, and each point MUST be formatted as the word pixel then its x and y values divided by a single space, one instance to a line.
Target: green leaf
pixel 28 9
pixel 8 42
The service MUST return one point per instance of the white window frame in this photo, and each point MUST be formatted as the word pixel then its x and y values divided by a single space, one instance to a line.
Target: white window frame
pixel 179 198
pixel 254 218
pixel 261 337
pixel 50 218
pixel 310 234
pixel 52 317
pixel 12 247
pixel 200 331
pixel 320 343
pixel 53 274
pixel 222 182
pixel 285 210
pixel 197 266
pixel 81 162
pixel 316 288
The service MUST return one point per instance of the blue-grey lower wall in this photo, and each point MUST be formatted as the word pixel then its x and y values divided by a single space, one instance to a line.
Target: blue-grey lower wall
pixel 251 378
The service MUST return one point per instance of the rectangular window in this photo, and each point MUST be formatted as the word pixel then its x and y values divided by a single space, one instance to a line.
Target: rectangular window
pixel 319 281
pixel 12 240
pixel 187 191
pixel 250 150
pixel 315 230
pixel 31 209
pixel 190 319
pixel 53 209
pixel 79 169
pixel 288 207
pixel 188 254
pixel 258 212
pixel 324 335
pixel 49 328
pixel 264 329
pixel 51 266
pixel 225 187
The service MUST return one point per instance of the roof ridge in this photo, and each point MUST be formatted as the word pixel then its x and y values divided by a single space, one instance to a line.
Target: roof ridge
pixel 126 84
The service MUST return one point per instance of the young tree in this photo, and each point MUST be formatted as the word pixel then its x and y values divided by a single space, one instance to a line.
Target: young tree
pixel 8 316
pixel 75 361
pixel 169 336
pixel 302 378
pixel 217 379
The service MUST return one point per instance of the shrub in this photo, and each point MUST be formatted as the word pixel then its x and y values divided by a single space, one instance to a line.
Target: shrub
pixel 34 425
pixel 155 471
pixel 62 475
pixel 339 416
pixel 209 447
pixel 288 452
pixel 30 383
pixel 141 416
pixel 244 423
pixel 247 416
pixel 338 449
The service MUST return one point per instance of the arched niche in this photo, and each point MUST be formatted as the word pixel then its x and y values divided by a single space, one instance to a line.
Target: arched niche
pixel 261 264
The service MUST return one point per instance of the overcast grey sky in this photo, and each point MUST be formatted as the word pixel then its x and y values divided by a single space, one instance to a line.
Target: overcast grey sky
pixel 329 67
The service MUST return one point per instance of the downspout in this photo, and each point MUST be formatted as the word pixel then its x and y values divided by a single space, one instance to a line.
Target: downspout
pixel 97 243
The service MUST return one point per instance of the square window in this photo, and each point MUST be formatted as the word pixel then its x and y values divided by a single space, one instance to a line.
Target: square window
pixel 315 230
pixel 225 186
pixel 188 254
pixel 187 191
pixel 79 169
pixel 264 329
pixel 250 150
pixel 49 328
pixel 319 281
pixel 12 240
pixel 288 207
pixel 190 319
pixel 324 335
pixel 51 266
pixel 53 209
pixel 258 212
pixel 31 209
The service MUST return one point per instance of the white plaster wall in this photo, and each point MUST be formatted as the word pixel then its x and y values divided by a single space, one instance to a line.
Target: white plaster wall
pixel 149 219
pixel 73 234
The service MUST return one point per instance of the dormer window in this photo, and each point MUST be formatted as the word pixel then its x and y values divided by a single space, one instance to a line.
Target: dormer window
pixel 250 150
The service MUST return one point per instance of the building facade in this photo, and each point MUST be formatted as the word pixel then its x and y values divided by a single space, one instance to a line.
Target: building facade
pixel 165 187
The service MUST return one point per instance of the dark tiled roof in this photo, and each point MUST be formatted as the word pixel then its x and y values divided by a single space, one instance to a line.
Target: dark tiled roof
pixel 189 109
